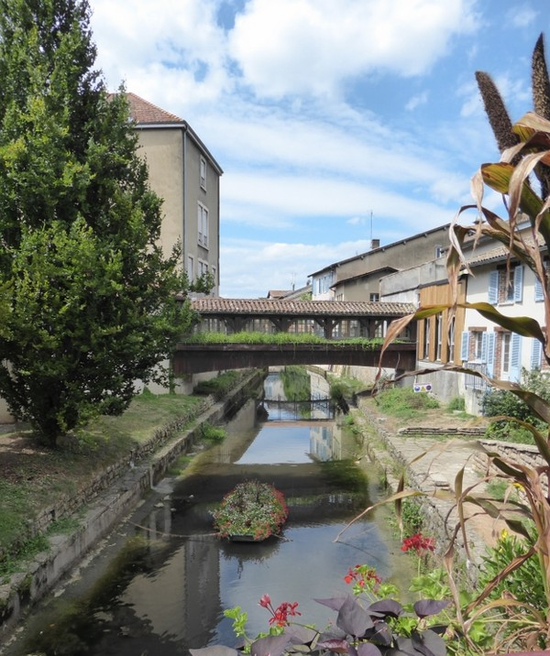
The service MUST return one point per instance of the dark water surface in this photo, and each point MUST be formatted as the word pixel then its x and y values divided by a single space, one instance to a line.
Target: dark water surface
pixel 159 585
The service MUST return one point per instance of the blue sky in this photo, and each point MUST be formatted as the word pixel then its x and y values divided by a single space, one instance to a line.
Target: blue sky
pixel 335 121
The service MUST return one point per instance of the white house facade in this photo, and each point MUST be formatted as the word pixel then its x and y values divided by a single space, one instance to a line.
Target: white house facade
pixel 514 290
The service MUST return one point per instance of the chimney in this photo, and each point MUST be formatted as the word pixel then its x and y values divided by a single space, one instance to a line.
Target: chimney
pixel 374 243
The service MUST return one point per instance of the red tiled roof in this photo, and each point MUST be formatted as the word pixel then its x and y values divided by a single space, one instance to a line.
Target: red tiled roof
pixel 142 111
pixel 216 305
pixel 277 293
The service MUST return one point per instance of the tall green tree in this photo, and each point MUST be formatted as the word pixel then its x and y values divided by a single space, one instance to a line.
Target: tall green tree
pixel 89 301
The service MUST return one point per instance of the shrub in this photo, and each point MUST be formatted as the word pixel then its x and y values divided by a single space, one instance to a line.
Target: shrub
pixel 212 433
pixel 219 386
pixel 403 402
pixel 524 584
pixel 457 404
pixel 497 403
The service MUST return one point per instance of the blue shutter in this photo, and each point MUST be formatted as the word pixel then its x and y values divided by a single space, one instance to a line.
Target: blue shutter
pixel 490 354
pixel 492 293
pixel 484 347
pixel 465 346
pixel 515 358
pixel 536 354
pixel 539 294
pixel 518 284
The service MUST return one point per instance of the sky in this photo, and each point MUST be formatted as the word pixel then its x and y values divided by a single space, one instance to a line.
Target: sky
pixel 335 121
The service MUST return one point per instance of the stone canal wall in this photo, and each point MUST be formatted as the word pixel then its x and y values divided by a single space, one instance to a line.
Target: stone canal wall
pixel 108 498
pixel 434 468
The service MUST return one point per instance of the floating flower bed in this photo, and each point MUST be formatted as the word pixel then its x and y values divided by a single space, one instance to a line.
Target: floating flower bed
pixel 252 511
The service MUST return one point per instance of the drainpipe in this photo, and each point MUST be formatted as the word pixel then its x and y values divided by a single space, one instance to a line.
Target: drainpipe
pixel 184 200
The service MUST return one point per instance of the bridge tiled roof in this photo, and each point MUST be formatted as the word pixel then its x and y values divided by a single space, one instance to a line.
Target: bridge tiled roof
pixel 216 305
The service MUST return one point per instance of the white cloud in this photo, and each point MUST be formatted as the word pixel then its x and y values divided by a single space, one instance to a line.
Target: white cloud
pixel 357 221
pixel 248 266
pixel 168 51
pixel 313 197
pixel 521 16
pixel 417 101
pixel 309 47
pixel 311 168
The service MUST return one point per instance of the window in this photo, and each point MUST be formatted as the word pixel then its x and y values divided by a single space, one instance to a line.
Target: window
pixel 323 283
pixel 511 286
pixel 536 354
pixel 539 293
pixel 426 345
pixel 504 288
pixel 190 268
pixel 510 356
pixel 477 341
pixel 451 340
pixel 374 298
pixel 505 355
pixel 203 268
pixel 438 336
pixel 203 225
pixel 203 173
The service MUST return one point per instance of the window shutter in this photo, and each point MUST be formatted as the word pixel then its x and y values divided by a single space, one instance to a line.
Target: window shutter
pixel 515 358
pixel 464 346
pixel 493 288
pixel 539 295
pixel 536 354
pixel 484 347
pixel 518 284
pixel 490 354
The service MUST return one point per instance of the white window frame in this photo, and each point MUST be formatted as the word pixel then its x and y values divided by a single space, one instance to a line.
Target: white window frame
pixel 438 338
pixel 426 345
pixel 202 173
pixel 505 355
pixel 203 225
pixel 202 267
pixel 479 346
pixel 190 268
pixel 451 339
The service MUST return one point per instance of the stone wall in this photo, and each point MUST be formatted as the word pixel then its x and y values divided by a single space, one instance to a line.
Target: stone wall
pixel 108 497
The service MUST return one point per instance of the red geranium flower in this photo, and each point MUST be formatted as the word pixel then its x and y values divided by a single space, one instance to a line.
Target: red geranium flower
pixel 419 543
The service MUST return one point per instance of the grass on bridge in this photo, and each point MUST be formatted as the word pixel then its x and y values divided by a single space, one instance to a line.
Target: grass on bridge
pixel 244 337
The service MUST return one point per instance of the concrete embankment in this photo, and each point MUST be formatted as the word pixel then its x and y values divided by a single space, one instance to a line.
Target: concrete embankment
pixel 437 467
pixel 431 466
pixel 107 499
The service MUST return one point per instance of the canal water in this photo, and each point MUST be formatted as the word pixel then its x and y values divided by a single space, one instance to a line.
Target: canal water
pixel 160 584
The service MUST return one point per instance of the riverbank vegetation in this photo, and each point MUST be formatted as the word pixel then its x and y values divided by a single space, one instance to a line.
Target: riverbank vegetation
pixel 404 402
pixel 34 478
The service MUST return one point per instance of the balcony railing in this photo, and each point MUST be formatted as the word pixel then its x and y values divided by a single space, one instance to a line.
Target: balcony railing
pixel 475 382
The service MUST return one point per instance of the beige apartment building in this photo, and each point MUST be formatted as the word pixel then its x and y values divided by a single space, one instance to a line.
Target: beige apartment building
pixel 186 176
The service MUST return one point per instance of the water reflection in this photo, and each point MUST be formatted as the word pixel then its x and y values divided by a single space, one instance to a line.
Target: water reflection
pixel 177 601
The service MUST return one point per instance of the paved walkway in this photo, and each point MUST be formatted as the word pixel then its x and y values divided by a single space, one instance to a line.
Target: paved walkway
pixel 431 466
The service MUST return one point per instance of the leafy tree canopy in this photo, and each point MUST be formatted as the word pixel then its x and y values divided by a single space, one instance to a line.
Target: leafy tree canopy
pixel 87 301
